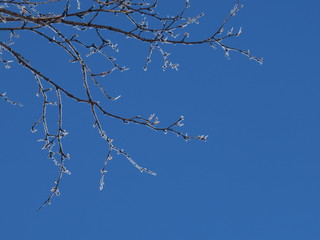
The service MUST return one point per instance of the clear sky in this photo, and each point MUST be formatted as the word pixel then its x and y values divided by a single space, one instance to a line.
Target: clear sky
pixel 257 176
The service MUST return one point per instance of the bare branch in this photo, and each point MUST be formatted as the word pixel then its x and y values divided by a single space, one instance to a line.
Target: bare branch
pixel 52 19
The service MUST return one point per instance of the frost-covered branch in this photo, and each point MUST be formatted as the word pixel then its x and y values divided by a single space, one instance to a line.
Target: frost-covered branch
pixel 51 20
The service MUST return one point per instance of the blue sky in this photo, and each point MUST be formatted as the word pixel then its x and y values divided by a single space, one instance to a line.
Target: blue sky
pixel 257 176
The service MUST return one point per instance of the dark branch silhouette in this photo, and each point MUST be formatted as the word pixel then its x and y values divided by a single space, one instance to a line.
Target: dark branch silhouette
pixel 52 20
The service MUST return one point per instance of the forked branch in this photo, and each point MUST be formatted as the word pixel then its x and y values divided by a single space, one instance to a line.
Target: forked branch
pixel 52 20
